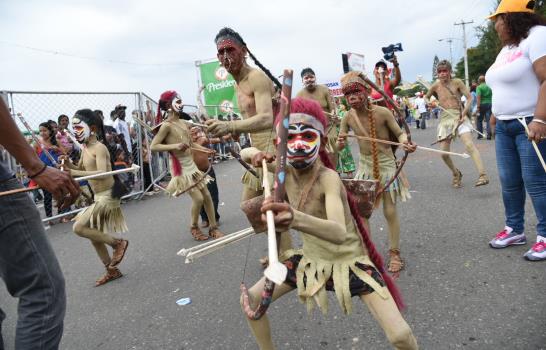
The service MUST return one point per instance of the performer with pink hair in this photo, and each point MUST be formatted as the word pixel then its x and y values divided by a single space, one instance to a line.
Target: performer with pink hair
pixel 174 137
pixel 337 254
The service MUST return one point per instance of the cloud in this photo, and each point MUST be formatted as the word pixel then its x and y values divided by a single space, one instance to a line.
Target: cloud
pixel 282 34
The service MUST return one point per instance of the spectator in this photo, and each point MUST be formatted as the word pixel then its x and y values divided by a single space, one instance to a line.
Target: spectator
pixel 421 107
pixel 484 98
pixel 122 128
pixel 518 81
pixel 49 145
pixel 62 135
pixel 29 267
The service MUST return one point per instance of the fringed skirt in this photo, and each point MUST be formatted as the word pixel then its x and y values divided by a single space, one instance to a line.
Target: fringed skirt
pixel 387 167
pixel 189 176
pixel 104 214
pixel 448 123
pixel 264 142
pixel 313 278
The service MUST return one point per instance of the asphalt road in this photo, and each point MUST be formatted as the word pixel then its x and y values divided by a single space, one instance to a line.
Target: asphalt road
pixel 460 294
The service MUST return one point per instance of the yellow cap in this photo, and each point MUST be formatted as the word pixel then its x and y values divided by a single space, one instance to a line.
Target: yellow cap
pixel 507 6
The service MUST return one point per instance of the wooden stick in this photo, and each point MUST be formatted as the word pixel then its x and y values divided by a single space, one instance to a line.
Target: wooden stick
pixel 463 155
pixel 539 155
pixel 134 168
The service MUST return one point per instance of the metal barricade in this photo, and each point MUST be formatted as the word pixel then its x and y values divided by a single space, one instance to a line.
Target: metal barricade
pixel 40 106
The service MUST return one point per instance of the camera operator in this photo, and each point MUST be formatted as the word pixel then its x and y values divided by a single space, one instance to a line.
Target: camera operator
pixel 383 80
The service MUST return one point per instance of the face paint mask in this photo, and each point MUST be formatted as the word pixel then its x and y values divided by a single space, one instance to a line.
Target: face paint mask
pixel 303 145
pixel 177 104
pixel 82 131
pixel 230 55
pixel 309 80
pixel 356 95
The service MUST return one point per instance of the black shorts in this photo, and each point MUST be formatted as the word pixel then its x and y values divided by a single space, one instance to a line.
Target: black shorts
pixel 356 285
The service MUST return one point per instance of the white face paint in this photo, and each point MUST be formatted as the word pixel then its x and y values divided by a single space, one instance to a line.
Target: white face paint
pixel 177 104
pixel 303 145
pixel 82 131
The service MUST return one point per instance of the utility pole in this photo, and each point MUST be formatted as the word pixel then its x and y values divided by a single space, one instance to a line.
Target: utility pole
pixel 450 41
pixel 463 23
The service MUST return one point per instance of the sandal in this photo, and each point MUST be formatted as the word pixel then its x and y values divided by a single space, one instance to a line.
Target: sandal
pixel 215 233
pixel 120 247
pixel 482 180
pixel 197 234
pixel 457 179
pixel 112 273
pixel 395 264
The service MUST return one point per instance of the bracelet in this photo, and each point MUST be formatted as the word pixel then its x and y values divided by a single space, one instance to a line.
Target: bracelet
pixel 39 172
pixel 538 121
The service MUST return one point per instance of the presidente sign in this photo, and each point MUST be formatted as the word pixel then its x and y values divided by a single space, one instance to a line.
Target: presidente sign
pixel 334 87
pixel 219 88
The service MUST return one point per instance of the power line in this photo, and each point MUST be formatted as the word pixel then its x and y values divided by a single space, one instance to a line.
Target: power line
pixel 463 24
pixel 91 58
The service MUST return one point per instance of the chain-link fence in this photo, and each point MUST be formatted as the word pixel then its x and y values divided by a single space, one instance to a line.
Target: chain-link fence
pixel 130 142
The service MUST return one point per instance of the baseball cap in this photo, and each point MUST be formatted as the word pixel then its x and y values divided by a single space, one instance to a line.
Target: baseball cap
pixel 508 6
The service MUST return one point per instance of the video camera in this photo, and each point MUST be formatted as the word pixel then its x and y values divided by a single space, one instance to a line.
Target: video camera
pixel 390 50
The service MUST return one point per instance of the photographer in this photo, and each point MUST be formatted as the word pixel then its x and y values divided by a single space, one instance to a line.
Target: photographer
pixel 383 80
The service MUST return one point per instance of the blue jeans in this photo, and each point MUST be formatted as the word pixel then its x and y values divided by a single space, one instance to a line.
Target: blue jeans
pixel 520 170
pixel 31 273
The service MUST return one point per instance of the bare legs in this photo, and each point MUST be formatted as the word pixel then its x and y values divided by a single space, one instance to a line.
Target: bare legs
pixel 199 199
pixel 471 149
pixel 385 312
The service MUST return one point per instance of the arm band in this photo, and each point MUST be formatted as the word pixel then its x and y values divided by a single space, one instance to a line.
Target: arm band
pixel 539 121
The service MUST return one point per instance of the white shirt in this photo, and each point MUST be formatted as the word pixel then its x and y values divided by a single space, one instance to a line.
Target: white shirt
pixel 512 78
pixel 123 129
pixel 420 104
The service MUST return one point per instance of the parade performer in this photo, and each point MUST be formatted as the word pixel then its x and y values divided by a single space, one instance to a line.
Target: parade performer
pixel 257 100
pixel 453 121
pixel 174 137
pixel 382 80
pixel 104 216
pixel 377 161
pixel 337 254
pixel 321 94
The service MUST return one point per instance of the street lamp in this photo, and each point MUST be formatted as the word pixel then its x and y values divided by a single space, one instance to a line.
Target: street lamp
pixel 450 42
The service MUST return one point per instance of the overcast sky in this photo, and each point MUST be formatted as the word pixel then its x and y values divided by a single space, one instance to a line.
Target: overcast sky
pixel 159 41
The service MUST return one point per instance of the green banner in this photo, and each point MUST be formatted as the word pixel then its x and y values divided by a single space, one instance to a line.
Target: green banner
pixel 219 89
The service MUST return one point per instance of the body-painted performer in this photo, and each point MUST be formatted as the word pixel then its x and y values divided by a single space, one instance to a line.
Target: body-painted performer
pixel 256 98
pixel 104 216
pixel 377 161
pixel 321 94
pixel 382 80
pixel 174 137
pixel 453 121
pixel 337 254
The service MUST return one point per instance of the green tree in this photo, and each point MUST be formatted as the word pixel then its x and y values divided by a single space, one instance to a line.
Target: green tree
pixel 482 56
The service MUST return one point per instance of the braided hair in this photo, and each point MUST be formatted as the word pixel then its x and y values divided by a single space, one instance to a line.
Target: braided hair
pixel 91 118
pixel 227 32
pixel 373 134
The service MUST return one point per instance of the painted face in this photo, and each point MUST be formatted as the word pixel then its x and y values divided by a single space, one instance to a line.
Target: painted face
pixel 356 95
pixel 82 131
pixel 309 80
pixel 303 145
pixel 231 55
pixel 177 104
pixel 443 73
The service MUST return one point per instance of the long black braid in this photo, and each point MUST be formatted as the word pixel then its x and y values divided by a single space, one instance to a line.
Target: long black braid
pixel 227 32
pixel 89 117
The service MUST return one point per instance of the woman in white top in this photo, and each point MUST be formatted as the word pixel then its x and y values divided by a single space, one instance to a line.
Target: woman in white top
pixel 518 81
